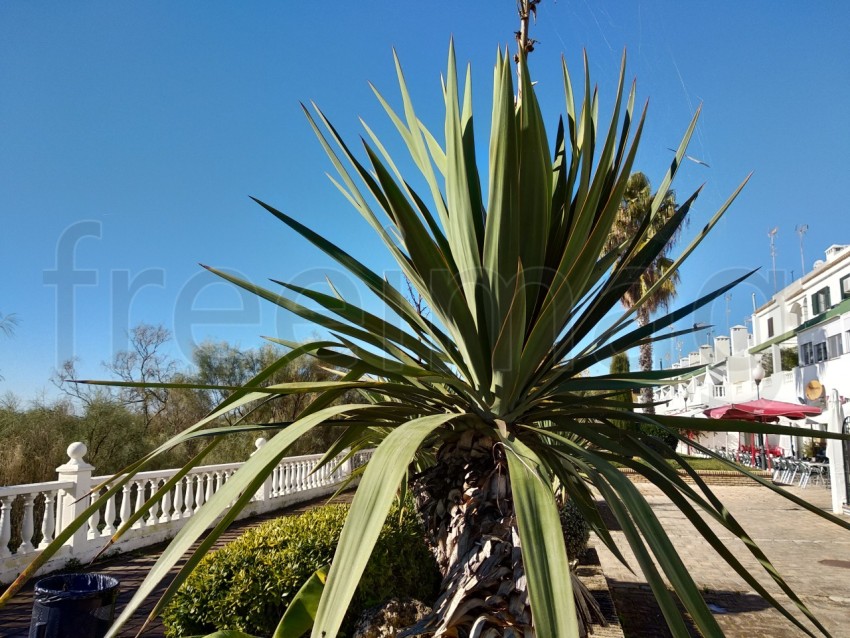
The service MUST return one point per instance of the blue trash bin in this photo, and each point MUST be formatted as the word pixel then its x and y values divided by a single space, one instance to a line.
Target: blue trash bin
pixel 73 606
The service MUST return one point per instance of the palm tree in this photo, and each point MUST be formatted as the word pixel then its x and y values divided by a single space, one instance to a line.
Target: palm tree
pixel 8 323
pixel 487 402
pixel 620 366
pixel 638 205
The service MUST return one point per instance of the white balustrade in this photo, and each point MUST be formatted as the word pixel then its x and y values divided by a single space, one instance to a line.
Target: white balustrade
pixel 43 510
pixel 27 516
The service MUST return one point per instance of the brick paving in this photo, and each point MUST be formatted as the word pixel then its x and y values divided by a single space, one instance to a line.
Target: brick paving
pixel 812 554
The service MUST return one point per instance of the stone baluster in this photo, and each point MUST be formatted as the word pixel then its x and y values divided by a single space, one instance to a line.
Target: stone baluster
pixel 199 494
pixel 276 481
pixel 289 480
pixel 5 525
pixel 48 521
pixel 165 516
pixel 209 493
pixel 296 477
pixel 94 519
pixel 126 509
pixel 27 527
pixel 283 481
pixel 189 499
pixel 109 517
pixel 71 500
pixel 292 478
pixel 140 499
pixel 153 512
pixel 178 499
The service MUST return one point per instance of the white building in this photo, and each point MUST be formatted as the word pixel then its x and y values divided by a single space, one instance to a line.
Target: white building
pixel 801 336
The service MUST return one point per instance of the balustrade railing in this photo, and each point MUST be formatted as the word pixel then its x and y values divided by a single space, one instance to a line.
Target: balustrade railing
pixel 32 515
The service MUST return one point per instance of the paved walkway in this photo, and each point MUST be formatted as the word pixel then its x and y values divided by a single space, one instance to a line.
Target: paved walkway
pixel 812 554
pixel 131 570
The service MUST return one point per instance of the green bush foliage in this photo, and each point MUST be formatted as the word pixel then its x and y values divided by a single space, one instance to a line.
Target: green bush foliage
pixel 576 530
pixel 248 584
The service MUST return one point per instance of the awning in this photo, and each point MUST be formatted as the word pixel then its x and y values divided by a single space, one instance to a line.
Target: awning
pixel 762 410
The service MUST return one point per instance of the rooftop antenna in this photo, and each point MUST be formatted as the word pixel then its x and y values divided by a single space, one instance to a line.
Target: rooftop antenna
pixel 801 230
pixel 671 343
pixel 772 235
pixel 728 309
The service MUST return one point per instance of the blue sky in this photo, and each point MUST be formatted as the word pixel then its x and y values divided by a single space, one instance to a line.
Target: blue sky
pixel 132 134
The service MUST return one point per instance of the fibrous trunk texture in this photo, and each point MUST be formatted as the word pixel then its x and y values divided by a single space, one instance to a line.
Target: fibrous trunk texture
pixel 466 502
pixel 647 396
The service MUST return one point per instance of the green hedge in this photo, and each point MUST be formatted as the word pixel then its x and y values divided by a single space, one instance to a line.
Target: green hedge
pixel 249 583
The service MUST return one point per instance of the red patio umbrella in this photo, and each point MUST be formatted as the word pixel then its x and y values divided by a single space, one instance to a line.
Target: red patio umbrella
pixel 763 410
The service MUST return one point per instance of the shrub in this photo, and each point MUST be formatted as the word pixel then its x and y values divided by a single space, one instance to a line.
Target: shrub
pixel 664 436
pixel 575 528
pixel 248 584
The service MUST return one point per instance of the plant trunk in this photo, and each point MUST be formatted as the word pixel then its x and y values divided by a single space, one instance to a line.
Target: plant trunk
pixel 466 503
pixel 647 396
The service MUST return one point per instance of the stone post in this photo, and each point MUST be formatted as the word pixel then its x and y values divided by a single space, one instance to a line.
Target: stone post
pixel 74 500
pixel 265 492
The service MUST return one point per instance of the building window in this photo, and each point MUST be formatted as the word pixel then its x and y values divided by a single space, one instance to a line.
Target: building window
pixel 834 346
pixel 820 351
pixel 769 327
pixel 806 353
pixel 844 284
pixel 820 301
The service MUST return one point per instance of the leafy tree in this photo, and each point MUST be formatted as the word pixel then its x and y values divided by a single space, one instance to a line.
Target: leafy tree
pixel 35 439
pixel 222 365
pixel 145 362
pixel 643 213
pixel 485 403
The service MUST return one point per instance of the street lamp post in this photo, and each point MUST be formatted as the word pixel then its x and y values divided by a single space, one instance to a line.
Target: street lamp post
pixel 758 377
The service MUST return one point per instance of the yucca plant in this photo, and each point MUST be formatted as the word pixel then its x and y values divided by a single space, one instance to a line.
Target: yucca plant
pixel 486 406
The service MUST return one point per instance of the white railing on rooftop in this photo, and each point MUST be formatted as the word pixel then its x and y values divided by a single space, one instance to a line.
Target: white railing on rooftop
pixel 32 515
